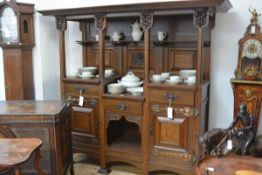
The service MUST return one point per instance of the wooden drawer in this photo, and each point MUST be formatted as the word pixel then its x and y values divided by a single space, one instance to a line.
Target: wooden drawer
pixel 182 97
pixel 124 106
pixel 74 88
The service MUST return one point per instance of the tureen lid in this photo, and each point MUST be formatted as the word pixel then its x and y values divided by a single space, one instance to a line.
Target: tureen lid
pixel 130 76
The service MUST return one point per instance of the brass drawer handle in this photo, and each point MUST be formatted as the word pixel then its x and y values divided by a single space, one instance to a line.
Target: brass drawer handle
pixel 121 106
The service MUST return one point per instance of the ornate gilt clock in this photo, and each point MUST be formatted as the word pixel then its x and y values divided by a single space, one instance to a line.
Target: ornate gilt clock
pixel 250 52
pixel 247 85
pixel 17 41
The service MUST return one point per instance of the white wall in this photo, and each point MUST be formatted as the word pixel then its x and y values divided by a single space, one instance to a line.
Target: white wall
pixel 230 27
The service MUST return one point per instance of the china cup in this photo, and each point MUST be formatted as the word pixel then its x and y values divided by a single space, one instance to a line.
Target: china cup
pixel 191 80
pixel 165 75
pixel 174 79
pixel 156 77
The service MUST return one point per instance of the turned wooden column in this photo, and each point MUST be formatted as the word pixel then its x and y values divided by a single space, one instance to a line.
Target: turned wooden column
pixel 61 25
pixel 146 21
pixel 201 20
pixel 100 25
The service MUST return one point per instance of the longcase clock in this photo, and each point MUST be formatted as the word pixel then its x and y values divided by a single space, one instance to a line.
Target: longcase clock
pixel 17 41
pixel 247 84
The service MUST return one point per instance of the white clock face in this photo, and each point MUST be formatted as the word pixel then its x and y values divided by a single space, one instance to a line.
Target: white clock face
pixel 8 25
pixel 252 49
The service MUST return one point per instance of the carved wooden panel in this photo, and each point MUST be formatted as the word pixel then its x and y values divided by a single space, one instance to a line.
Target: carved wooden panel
pixel 110 57
pixel 181 59
pixel 84 120
pixel 170 134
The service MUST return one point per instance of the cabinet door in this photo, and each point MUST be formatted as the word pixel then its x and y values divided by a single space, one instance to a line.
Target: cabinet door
pixel 170 137
pixel 84 123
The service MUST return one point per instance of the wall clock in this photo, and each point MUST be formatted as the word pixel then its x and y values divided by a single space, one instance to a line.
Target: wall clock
pixel 250 52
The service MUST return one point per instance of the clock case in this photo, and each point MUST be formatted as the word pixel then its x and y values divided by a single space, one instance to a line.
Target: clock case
pixel 17 56
pixel 24 14
pixel 243 62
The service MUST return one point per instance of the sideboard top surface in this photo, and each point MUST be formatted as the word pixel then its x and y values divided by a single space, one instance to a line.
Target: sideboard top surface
pixel 30 107
pixel 220 5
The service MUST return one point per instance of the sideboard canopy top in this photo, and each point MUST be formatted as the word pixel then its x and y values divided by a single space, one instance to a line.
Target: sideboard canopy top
pixel 164 7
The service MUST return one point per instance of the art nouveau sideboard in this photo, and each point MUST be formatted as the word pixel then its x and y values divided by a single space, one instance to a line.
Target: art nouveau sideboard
pixel 107 126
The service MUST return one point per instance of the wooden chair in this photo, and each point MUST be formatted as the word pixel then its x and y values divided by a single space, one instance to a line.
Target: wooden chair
pixel 15 151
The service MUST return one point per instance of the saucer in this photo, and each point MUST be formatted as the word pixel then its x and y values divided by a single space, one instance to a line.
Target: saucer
pixel 190 83
pixel 156 81
pixel 86 77
pixel 172 82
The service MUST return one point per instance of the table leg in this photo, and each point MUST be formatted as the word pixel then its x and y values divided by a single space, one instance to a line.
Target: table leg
pixel 17 170
pixel 37 162
pixel 72 172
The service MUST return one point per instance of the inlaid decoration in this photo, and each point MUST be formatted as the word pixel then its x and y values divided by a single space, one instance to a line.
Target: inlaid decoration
pixel 174 155
pixel 137 59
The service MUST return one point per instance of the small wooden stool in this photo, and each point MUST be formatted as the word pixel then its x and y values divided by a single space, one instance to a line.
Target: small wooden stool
pixel 15 151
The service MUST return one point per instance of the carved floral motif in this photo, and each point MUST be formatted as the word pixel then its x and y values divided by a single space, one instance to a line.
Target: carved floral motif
pixel 146 19
pixel 61 23
pixel 100 21
pixel 201 17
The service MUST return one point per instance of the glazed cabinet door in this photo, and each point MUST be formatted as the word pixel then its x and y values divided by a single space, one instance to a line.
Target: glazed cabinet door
pixel 84 124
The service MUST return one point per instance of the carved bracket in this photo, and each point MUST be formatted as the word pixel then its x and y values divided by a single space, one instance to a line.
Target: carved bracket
pixel 100 21
pixel 201 17
pixel 135 119
pixel 114 116
pixel 111 116
pixel 146 19
pixel 61 23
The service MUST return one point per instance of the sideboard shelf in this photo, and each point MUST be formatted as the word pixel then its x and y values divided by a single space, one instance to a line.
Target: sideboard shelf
pixel 136 129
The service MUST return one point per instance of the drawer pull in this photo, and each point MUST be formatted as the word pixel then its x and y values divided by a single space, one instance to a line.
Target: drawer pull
pixel 170 98
pixel 121 106
pixel 92 102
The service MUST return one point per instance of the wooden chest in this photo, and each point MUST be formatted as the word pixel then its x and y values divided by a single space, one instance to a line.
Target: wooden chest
pixel 47 120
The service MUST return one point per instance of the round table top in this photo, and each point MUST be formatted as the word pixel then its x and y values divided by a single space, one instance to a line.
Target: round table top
pixel 14 151
pixel 230 165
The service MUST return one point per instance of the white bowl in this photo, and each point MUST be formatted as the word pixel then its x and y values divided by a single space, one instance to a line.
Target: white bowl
pixel 91 69
pixel 130 77
pixel 115 88
pixel 187 73
pixel 130 83
pixel 136 91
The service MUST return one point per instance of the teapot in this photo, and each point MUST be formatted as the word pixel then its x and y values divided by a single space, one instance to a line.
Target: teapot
pixel 161 35
pixel 116 36
pixel 136 31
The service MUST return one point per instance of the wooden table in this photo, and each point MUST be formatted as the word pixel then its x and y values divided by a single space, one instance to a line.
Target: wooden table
pixel 15 151
pixel 230 165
